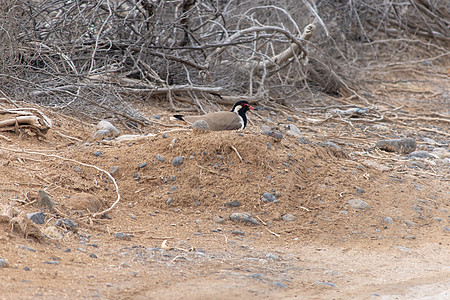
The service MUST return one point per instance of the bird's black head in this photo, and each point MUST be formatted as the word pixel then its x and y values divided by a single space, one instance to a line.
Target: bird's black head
pixel 242 106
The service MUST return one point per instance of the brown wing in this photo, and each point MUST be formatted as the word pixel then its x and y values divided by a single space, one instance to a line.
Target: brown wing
pixel 222 120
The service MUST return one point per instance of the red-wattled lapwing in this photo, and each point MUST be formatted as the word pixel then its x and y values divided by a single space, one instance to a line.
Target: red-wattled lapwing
pixel 223 120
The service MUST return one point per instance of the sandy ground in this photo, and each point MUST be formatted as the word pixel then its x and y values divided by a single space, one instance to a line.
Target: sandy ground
pixel 189 248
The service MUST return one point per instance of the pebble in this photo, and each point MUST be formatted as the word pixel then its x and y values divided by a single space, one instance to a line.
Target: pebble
pixel 77 169
pixel 37 217
pixel 51 262
pixel 256 276
pixel 123 236
pixel 269 197
pixel 160 158
pixel 234 203
pixel 173 188
pixel 358 204
pixel 238 232
pixel 156 117
pixel 289 218
pixel 28 248
pixel 405 146
pixel 142 165
pixel 113 169
pixel 98 153
pixel 178 161
pixel 265 129
pixel 419 154
pixel 279 284
pixel 325 283
pixel 93 255
pixel 218 219
pixel 165 136
pixel 243 218
pixel 410 223
pixel 272 256
pixel 403 249
pixel 416 164
pixel 3 263
pixel 26 269
pixel 446 228
pixel 44 200
pixel 169 201
pixel 67 223
pixel 388 220
pixel 106 125
pixel 294 131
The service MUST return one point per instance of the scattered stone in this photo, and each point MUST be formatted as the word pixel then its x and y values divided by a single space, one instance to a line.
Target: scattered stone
pixel 265 129
pixel 28 248
pixel 269 197
pixel 173 189
pixel 388 220
pixel 272 256
pixel 198 203
pixel 294 131
pixel 77 169
pixel 446 228
pixel 142 165
pixel 51 262
pixel 218 219
pixel 113 170
pixel 410 223
pixel 160 158
pixel 3 263
pixel 375 165
pixel 156 117
pixel 177 161
pixel 256 276
pixel 238 232
pixel 289 218
pixel 44 200
pixel 243 218
pixel 37 217
pixel 200 126
pixel 67 223
pixel 172 178
pixel 359 190
pixel 105 125
pixel 358 204
pixel 403 249
pixel 123 236
pixel 165 136
pixel 83 202
pixel 416 164
pixel 419 154
pixel 98 153
pixel 325 283
pixel 405 146
pixel 93 255
pixel 26 269
pixel 169 201
pixel 100 135
pixel 279 284
pixel 234 203
pixel 333 145
pixel 124 265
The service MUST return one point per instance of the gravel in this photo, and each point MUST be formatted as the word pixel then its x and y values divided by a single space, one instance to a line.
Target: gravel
pixel 177 161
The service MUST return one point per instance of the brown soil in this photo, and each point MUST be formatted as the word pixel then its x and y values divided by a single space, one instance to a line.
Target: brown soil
pixel 331 251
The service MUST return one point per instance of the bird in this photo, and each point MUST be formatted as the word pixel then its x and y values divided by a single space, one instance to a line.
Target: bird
pixel 222 120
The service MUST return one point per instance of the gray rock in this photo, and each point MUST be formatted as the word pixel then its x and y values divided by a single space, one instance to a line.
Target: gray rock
pixel 446 228
pixel 332 145
pixel 106 125
pixel 27 248
pixel 279 284
pixel 123 236
pixel 415 164
pixel 265 129
pixel 294 131
pixel 404 146
pixel 51 262
pixel 272 256
pixel 3 263
pixel 177 161
pixel 243 218
pixel 388 220
pixel 113 170
pixel 358 204
pixel 256 276
pixel 288 218
pixel 238 232
pixel 156 117
pixel 98 153
pixel 234 203
pixel 269 197
pixel 403 249
pixel 44 200
pixel 169 201
pixel 93 255
pixel 67 223
pixel 419 154
pixel 77 169
pixel 218 219
pixel 37 217
pixel 160 158
pixel 142 165
pixel 173 188
pixel 165 136
pixel 275 135
pixel 410 223
pixel 325 283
